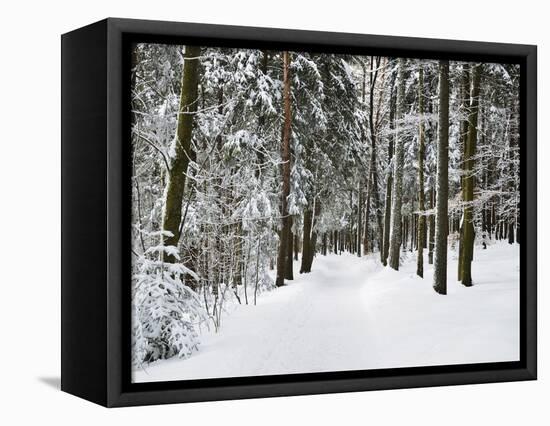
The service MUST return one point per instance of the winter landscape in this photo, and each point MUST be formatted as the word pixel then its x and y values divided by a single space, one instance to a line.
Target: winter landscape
pixel 299 212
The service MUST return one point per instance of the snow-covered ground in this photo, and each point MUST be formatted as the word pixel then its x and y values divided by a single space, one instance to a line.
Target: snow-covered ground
pixel 351 313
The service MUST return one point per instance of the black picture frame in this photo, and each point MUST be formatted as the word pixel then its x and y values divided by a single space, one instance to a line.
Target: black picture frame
pixel 95 174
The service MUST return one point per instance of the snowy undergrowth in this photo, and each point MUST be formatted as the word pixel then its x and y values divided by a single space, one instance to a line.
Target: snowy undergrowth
pixel 351 313
pixel 165 312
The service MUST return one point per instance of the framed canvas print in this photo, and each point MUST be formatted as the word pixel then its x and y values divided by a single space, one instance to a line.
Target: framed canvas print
pixel 253 212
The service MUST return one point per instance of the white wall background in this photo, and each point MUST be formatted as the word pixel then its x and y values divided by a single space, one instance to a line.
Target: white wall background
pixel 30 211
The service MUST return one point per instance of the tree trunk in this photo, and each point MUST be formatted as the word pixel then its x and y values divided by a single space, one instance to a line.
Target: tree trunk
pixel 359 221
pixel 296 246
pixel 387 213
pixel 389 182
pixel 377 212
pixel 414 231
pixel 431 235
pixel 397 192
pixel 239 262
pixel 289 275
pixel 442 216
pixel 372 178
pixel 469 180
pixel 465 104
pixel 366 248
pixel 306 241
pixel 511 179
pixel 313 250
pixel 285 159
pixel 421 238
pixel 262 117
pixel 405 234
pixel 183 151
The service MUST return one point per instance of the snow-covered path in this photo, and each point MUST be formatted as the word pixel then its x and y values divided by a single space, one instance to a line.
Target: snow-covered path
pixel 351 313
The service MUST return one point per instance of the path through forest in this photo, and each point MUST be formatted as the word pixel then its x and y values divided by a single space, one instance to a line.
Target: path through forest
pixel 351 313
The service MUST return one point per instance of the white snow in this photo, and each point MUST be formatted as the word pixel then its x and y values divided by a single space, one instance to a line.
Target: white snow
pixel 351 313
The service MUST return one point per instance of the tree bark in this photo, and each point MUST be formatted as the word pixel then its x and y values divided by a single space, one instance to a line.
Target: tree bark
pixel 469 180
pixel 372 178
pixel 431 235
pixel 239 261
pixel 397 196
pixel 289 275
pixel 359 221
pixel 306 241
pixel 183 151
pixel 465 104
pixel 285 159
pixel 442 215
pixel 512 189
pixel 421 238
pixel 389 182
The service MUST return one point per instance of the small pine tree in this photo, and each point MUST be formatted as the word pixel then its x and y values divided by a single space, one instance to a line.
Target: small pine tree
pixel 165 312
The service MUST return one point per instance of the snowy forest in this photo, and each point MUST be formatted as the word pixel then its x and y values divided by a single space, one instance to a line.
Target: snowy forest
pixel 296 212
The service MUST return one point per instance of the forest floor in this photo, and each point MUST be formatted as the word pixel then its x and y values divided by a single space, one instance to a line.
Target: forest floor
pixel 351 313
